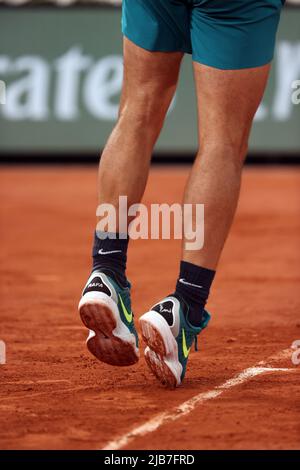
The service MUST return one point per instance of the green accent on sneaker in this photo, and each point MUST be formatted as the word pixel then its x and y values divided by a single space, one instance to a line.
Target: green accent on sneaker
pixel 185 350
pixel 128 315
pixel 187 336
pixel 124 305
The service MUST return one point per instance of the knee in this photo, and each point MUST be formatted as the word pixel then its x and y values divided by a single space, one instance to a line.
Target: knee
pixel 146 108
pixel 228 152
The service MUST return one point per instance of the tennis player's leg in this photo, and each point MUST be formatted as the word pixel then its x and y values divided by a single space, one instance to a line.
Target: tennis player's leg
pixel 225 123
pixel 232 45
pixel 227 102
pixel 150 80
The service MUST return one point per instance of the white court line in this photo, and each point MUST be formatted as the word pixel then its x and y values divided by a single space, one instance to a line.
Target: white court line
pixel 189 405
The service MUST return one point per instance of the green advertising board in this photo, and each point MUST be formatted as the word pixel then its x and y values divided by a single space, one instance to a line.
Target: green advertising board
pixel 62 70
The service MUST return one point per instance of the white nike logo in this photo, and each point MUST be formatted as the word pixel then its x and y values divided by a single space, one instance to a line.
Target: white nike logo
pixel 183 281
pixel 101 252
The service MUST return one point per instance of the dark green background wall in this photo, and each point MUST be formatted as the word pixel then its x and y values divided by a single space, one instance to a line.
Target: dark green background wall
pixel 63 73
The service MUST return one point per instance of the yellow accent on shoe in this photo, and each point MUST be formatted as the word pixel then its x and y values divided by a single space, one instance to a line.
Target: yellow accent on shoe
pixel 185 350
pixel 127 315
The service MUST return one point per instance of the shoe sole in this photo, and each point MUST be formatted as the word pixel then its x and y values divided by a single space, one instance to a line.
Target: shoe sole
pixel 109 340
pixel 161 352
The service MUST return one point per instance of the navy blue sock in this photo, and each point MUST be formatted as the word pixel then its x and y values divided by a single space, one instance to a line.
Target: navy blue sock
pixel 111 254
pixel 193 287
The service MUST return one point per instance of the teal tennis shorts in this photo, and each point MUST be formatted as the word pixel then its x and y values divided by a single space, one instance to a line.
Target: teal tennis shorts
pixel 226 34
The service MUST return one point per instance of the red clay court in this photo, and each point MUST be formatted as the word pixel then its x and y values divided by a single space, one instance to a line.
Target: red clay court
pixel 54 395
